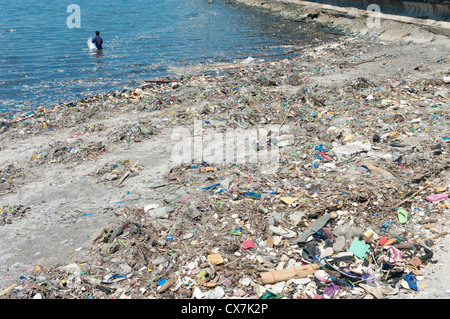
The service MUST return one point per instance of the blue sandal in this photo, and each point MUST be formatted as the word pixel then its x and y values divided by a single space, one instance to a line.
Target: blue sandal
pixel 412 281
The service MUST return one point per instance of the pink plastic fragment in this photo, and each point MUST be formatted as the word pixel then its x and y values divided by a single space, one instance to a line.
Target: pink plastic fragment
pixel 186 198
pixel 326 156
pixel 436 197
pixel 247 244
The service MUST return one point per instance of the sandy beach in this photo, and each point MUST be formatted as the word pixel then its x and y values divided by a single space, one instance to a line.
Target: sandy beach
pixel 61 169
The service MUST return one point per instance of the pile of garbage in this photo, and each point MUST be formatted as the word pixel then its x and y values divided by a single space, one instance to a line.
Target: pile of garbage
pixel 230 232
pixel 355 209
pixel 116 172
pixel 63 151
pixel 10 212
pixel 134 133
pixel 8 175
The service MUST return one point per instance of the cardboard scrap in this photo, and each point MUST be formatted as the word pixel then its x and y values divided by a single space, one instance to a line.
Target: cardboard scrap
pixel 215 259
pixel 287 200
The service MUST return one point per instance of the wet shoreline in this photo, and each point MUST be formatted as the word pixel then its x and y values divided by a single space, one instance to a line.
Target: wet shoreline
pixel 41 76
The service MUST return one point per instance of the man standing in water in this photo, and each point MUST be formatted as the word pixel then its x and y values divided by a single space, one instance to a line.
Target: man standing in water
pixel 98 41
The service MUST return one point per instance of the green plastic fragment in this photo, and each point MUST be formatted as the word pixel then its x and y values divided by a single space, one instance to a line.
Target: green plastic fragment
pixel 359 248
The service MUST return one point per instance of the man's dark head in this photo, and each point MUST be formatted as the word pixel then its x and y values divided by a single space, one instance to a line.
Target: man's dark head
pixel 97 33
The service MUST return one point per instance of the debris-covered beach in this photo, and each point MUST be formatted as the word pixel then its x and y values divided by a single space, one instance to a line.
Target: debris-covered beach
pixel 94 203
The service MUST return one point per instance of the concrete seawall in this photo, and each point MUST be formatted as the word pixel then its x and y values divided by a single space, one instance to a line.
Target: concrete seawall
pixel 412 27
pixel 423 9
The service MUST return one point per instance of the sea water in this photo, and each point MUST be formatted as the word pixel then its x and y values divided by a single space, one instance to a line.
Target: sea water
pixel 45 61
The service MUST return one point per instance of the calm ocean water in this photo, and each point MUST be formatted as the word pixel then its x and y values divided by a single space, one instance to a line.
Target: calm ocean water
pixel 43 62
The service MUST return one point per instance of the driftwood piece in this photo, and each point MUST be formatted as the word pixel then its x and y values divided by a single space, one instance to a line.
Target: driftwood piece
pixel 127 173
pixel 275 276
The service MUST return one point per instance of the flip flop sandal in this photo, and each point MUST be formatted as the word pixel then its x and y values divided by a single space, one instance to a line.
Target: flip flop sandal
pixel 114 278
pixel 340 271
pixel 402 215
pixel 393 255
pixel 412 281
pixel 388 290
pixel 335 259
pixel 314 227
pixel 330 291
pixel 308 253
pixel 322 275
pixel 428 254
pixel 375 291
pixel 351 274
